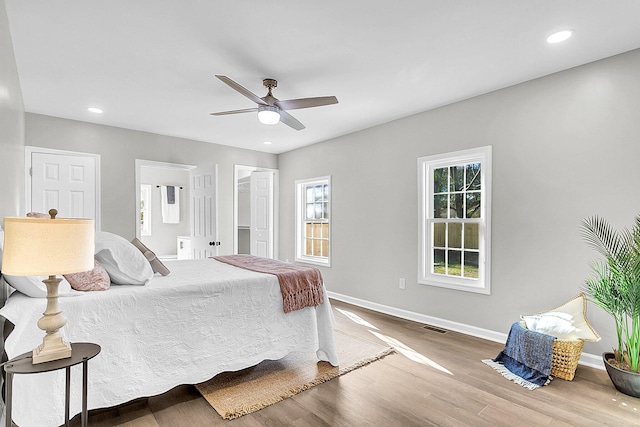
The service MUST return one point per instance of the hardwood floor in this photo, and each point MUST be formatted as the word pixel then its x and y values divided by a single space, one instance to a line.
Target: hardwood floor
pixel 435 379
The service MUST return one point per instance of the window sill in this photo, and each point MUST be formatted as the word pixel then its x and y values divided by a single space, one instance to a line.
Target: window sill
pixel 314 262
pixel 460 285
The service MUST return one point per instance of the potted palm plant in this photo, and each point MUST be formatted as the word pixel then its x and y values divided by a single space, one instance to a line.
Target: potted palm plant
pixel 615 287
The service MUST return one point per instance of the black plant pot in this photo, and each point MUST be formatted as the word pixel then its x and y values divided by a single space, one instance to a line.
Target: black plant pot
pixel 624 381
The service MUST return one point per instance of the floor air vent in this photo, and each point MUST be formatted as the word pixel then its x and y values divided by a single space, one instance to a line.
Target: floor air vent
pixel 435 329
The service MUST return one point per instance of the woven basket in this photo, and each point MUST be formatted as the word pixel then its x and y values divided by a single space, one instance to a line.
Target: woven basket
pixel 565 357
pixel 566 353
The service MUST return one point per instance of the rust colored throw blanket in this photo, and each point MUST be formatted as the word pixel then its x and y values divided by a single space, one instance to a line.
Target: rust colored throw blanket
pixel 301 286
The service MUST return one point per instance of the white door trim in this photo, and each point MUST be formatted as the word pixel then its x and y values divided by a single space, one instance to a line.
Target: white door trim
pixel 276 196
pixel 29 150
pixel 139 163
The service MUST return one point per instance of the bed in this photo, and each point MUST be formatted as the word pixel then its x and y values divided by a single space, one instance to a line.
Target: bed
pixel 204 318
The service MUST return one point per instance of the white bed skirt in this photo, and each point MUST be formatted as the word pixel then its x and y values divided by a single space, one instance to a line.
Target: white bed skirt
pixel 205 318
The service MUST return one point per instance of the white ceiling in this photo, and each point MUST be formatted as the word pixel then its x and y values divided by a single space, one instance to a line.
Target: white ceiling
pixel 151 64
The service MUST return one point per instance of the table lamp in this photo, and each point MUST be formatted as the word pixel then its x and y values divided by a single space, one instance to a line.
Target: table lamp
pixel 48 247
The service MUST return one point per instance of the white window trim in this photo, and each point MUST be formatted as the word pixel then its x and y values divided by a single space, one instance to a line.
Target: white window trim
pixel 425 207
pixel 300 209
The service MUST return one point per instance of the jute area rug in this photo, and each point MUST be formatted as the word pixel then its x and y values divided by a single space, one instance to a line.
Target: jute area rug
pixel 233 394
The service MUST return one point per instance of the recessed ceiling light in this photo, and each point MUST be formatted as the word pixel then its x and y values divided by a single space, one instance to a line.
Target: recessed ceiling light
pixel 559 36
pixel 95 110
pixel 267 142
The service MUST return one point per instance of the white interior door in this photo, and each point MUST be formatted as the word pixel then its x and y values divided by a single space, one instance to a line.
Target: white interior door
pixel 261 229
pixel 64 182
pixel 203 211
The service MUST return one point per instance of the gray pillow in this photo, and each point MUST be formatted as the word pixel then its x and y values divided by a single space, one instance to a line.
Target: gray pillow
pixel 156 265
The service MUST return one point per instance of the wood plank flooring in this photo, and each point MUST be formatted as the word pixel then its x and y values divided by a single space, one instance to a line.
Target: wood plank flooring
pixel 435 379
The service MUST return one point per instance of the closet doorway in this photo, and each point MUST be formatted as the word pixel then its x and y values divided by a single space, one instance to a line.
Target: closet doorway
pixel 255 211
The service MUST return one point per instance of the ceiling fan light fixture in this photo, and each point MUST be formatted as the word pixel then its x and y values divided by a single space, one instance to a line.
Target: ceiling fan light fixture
pixel 268 114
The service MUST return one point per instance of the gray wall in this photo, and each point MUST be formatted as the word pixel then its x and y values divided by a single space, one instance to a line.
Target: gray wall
pixel 11 126
pixel 119 148
pixel 565 147
pixel 11 137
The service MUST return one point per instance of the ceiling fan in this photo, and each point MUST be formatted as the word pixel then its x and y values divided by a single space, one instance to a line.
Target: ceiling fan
pixel 270 109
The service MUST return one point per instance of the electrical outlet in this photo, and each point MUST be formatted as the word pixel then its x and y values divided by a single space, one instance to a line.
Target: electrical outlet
pixel 402 284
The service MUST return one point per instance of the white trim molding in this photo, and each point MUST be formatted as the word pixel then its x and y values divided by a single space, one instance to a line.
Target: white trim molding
pixel 301 219
pixel 446 250
pixel 586 359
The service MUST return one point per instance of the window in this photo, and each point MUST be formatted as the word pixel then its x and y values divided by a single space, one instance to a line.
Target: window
pixel 313 218
pixel 454 213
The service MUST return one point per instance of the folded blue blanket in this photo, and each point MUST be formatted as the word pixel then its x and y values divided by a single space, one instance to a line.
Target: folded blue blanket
pixel 527 357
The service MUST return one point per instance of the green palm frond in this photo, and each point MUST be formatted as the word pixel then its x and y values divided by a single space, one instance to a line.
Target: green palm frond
pixel 601 236
pixel 615 284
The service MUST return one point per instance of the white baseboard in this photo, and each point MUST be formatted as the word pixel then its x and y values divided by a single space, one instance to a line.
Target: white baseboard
pixel 586 359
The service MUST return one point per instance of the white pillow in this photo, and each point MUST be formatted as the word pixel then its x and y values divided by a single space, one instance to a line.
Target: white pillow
pixel 32 286
pixel 566 322
pixel 560 325
pixel 125 264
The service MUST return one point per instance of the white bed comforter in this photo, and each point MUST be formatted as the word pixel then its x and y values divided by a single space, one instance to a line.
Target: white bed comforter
pixel 206 317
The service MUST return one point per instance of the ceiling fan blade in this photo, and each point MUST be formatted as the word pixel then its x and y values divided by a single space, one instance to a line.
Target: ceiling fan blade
pixel 295 104
pixel 290 121
pixel 224 113
pixel 246 92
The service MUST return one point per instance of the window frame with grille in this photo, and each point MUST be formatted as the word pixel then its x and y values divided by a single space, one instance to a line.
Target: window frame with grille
pixel 313 221
pixel 454 199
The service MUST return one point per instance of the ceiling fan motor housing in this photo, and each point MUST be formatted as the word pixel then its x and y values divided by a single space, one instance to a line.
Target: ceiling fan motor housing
pixel 270 83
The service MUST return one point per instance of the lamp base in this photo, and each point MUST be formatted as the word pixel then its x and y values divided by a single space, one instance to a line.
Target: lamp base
pixel 53 347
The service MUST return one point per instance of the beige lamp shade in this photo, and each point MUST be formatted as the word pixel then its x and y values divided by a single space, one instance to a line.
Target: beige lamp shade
pixel 46 247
